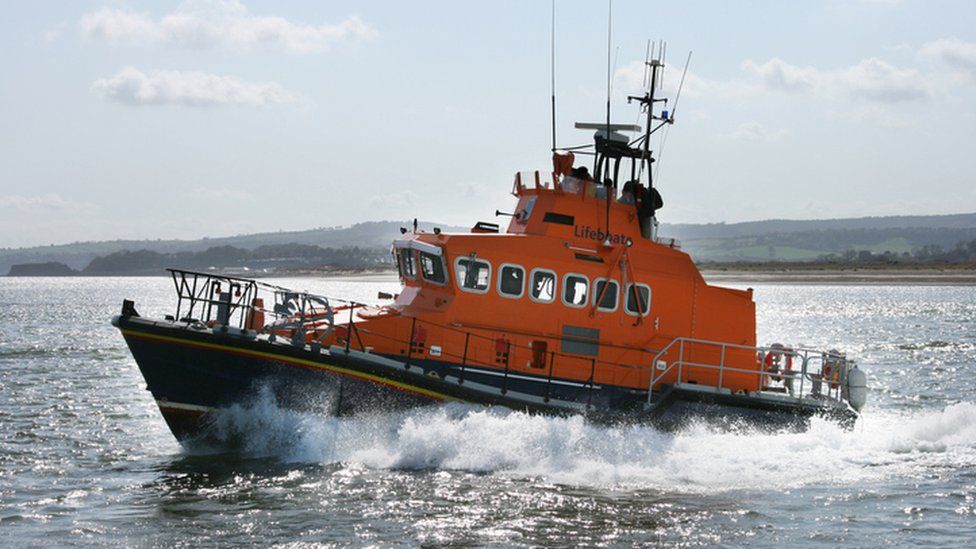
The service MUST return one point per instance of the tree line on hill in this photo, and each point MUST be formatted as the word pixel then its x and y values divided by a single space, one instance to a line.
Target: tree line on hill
pixel 369 235
pixel 814 245
pixel 273 258
pixel 962 252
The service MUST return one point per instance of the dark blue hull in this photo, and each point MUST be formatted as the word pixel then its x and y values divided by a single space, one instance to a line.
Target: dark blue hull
pixel 191 373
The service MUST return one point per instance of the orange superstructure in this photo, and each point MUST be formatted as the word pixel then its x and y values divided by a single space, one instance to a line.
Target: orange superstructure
pixel 564 280
pixel 579 286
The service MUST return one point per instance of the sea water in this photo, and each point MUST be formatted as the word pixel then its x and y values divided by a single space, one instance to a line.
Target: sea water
pixel 85 457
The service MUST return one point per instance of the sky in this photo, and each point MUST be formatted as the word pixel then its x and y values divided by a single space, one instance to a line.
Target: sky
pixel 221 117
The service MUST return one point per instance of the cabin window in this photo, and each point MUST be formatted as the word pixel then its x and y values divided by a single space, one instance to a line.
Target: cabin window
pixel 405 263
pixel 511 280
pixel 638 299
pixel 527 210
pixel 606 291
pixel 473 275
pixel 432 267
pixel 543 287
pixel 575 290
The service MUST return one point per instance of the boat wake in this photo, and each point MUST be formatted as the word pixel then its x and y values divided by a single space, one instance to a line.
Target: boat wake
pixel 572 451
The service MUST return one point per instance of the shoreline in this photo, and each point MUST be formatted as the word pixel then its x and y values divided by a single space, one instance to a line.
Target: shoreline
pixel 752 274
pixel 843 277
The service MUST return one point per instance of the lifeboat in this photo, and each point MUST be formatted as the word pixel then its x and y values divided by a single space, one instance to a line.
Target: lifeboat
pixel 577 306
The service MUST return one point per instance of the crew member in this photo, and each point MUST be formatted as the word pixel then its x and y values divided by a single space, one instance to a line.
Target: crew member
pixel 649 201
pixel 582 172
pixel 628 192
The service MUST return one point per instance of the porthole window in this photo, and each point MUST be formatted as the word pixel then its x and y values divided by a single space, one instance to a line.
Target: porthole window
pixel 606 291
pixel 405 263
pixel 473 275
pixel 432 268
pixel 576 290
pixel 511 280
pixel 543 287
pixel 638 299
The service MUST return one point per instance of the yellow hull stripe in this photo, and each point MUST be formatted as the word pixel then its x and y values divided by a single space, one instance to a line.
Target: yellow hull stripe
pixel 308 363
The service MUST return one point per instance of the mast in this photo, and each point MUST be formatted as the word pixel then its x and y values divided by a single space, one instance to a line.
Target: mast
pixel 649 99
pixel 606 167
pixel 552 69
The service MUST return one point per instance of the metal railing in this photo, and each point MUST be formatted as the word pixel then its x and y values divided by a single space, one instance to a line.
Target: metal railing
pixel 496 352
pixel 798 373
pixel 217 301
pixel 255 307
pixel 247 304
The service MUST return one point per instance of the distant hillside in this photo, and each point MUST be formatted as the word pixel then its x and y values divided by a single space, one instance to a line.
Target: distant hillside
pixel 372 234
pixel 784 240
pixel 772 240
pixel 690 231
pixel 52 268
pixel 269 258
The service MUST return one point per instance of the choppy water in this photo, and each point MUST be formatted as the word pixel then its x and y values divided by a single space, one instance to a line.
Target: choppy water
pixel 86 459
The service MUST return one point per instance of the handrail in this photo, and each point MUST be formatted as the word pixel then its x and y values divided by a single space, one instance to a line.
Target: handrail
pixel 301 314
pixel 197 288
pixel 833 379
pixel 198 294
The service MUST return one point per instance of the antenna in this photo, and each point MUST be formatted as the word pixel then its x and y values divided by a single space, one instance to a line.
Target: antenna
pixel 681 85
pixel 647 57
pixel 616 56
pixel 674 109
pixel 552 67
pixel 664 63
pixel 609 188
pixel 609 37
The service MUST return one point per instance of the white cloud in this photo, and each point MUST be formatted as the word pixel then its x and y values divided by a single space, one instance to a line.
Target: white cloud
pixel 875 87
pixel 882 118
pixel 754 131
pixel 776 74
pixel 41 204
pixel 394 201
pixel 223 194
pixel 188 88
pixel 874 79
pixel 952 51
pixel 871 79
pixel 117 25
pixel 52 34
pixel 204 24
pixel 29 220
pixel 630 80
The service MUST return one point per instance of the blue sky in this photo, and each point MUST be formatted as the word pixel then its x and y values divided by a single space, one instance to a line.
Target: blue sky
pixel 208 117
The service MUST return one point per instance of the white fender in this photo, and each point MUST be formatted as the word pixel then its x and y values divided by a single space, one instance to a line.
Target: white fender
pixel 857 388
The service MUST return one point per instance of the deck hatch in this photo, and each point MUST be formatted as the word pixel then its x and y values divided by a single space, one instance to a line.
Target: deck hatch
pixel 485 227
pixel 580 341
pixel 562 219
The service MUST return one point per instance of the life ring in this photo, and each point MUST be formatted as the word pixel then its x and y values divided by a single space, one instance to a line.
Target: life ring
pixel 831 368
pixel 778 361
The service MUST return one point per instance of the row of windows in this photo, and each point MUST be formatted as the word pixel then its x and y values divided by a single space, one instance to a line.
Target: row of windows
pixel 474 275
